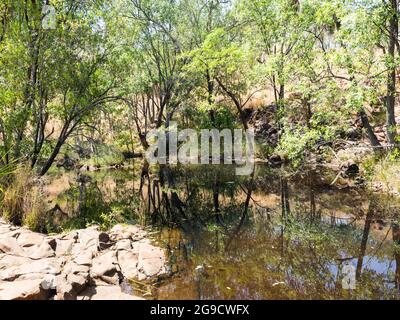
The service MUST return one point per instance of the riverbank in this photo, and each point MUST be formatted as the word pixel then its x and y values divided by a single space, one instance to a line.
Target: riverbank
pixel 85 264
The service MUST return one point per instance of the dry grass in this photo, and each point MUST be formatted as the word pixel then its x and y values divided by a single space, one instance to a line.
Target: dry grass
pixel 23 202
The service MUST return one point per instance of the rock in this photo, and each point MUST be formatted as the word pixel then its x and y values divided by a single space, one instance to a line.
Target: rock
pixel 7 261
pixel 350 168
pixel 10 245
pixel 105 268
pixel 71 267
pixel 124 244
pixel 84 259
pixel 4 229
pixel 41 251
pixel 70 236
pixel 29 238
pixel 121 232
pixel 40 265
pixel 128 261
pixel 67 163
pixel 45 266
pixel 23 290
pixel 89 237
pixel 78 282
pixel 64 246
pixel 48 280
pixel 65 290
pixel 106 293
pixel 151 260
pixel 275 160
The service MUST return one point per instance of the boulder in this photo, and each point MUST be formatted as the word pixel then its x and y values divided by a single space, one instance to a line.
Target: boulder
pixel 10 245
pixel 78 281
pixel 67 264
pixel 128 261
pixel 23 290
pixel 130 232
pixel 84 258
pixel 350 168
pixel 29 238
pixel 105 268
pixel 7 261
pixel 89 237
pixel 275 160
pixel 151 260
pixel 65 290
pixel 44 250
pixel 123 244
pixel 44 266
pixel 64 246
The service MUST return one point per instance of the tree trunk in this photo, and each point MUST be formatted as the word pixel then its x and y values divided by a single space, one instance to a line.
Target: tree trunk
pixel 371 134
pixel 391 78
pixel 52 157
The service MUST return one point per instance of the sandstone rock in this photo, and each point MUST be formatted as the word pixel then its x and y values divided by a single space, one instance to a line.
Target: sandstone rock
pixel 124 244
pixel 64 246
pixel 128 261
pixel 65 290
pixel 120 232
pixel 48 280
pixel 70 236
pixel 10 245
pixel 89 237
pixel 4 229
pixel 23 290
pixel 151 260
pixel 45 266
pixel 84 258
pixel 41 251
pixel 11 260
pixel 73 268
pixel 78 281
pixel 68 263
pixel 29 238
pixel 105 267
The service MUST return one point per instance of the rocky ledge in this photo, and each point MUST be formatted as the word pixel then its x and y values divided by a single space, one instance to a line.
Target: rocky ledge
pixel 84 264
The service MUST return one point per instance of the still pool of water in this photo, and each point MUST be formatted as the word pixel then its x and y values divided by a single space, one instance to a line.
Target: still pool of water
pixel 271 235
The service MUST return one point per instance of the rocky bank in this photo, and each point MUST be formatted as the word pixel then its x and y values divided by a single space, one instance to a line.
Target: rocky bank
pixel 84 264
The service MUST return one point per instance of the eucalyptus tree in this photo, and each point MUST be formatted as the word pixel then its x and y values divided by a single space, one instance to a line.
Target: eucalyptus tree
pixel 158 48
pixel 54 77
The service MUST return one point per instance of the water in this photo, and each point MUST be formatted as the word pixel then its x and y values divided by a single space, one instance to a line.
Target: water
pixel 273 235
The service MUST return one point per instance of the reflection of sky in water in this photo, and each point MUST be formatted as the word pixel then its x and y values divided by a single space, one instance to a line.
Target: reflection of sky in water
pixel 336 220
pixel 381 266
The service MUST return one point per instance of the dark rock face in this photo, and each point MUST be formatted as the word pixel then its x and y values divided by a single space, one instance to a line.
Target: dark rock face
pixel 350 168
pixel 67 163
pixel 275 160
pixel 264 125
pixel 84 264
